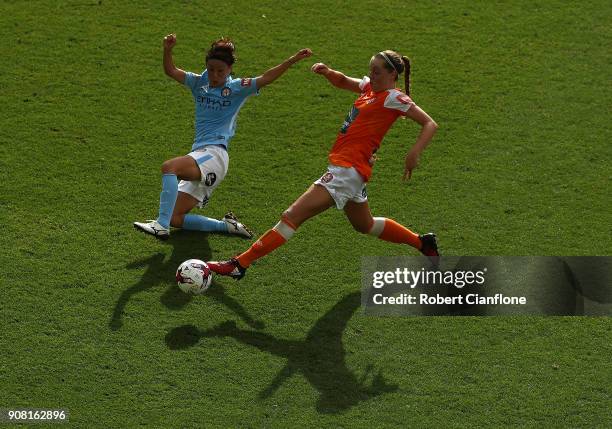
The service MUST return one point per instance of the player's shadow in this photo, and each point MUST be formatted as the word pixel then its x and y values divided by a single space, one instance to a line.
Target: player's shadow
pixel 160 271
pixel 320 357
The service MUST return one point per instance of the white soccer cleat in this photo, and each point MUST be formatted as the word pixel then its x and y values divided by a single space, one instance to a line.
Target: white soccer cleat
pixel 154 228
pixel 235 227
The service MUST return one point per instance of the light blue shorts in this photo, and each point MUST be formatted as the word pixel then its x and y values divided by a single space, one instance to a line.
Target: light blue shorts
pixel 213 162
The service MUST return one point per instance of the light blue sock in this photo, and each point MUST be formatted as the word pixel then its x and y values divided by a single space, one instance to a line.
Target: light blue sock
pixel 194 222
pixel 167 199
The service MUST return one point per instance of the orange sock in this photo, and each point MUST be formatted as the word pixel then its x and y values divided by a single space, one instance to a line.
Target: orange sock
pixel 396 233
pixel 271 240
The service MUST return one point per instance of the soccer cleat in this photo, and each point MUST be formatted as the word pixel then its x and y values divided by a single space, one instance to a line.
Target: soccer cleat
pixel 235 227
pixel 229 268
pixel 154 228
pixel 429 244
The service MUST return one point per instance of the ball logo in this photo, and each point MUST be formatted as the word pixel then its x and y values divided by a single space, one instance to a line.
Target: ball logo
pixel 327 177
pixel 226 92
pixel 210 180
pixel 179 276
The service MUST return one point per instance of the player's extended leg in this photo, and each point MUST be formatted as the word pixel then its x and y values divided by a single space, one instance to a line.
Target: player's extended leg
pixel 184 168
pixel 312 202
pixel 387 229
pixel 181 218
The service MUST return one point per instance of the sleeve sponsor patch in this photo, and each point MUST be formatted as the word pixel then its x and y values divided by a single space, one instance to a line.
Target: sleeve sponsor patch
pixel 397 100
pixel 403 98
pixel 245 82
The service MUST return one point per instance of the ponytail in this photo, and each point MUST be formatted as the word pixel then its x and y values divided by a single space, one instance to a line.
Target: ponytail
pixel 406 62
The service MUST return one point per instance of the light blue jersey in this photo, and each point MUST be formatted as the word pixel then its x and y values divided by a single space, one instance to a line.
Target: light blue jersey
pixel 216 109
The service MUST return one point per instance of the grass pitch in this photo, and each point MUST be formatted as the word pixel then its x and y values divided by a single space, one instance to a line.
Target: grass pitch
pixel 91 319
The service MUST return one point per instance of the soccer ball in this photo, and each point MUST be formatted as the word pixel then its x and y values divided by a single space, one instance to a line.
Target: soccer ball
pixel 194 277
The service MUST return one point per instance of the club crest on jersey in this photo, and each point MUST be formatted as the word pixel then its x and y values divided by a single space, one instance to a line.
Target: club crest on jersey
pixel 245 82
pixel 327 177
pixel 210 180
pixel 226 92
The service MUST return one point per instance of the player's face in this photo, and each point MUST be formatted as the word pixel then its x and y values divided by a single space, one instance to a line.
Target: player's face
pixel 380 77
pixel 218 71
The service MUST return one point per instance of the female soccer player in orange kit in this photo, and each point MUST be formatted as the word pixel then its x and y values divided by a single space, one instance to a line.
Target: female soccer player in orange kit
pixel 379 104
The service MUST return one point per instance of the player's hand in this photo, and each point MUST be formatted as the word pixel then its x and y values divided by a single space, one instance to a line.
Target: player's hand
pixel 412 161
pixel 319 68
pixel 301 54
pixel 170 41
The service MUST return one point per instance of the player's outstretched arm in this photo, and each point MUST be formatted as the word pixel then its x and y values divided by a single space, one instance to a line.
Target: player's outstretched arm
pixel 275 72
pixel 169 68
pixel 428 130
pixel 336 78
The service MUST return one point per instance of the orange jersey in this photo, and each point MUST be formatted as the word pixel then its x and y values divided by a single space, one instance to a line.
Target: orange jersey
pixel 370 118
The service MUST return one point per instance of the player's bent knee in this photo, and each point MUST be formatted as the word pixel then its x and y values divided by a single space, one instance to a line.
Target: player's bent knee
pixel 168 167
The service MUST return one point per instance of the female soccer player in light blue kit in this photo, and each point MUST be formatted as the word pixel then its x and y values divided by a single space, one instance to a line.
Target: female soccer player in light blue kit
pixel 188 181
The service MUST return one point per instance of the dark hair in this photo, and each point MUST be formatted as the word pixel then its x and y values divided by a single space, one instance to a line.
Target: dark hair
pixel 398 63
pixel 223 50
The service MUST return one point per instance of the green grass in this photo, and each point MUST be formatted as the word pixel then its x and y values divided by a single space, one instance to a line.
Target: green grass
pixel 91 320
